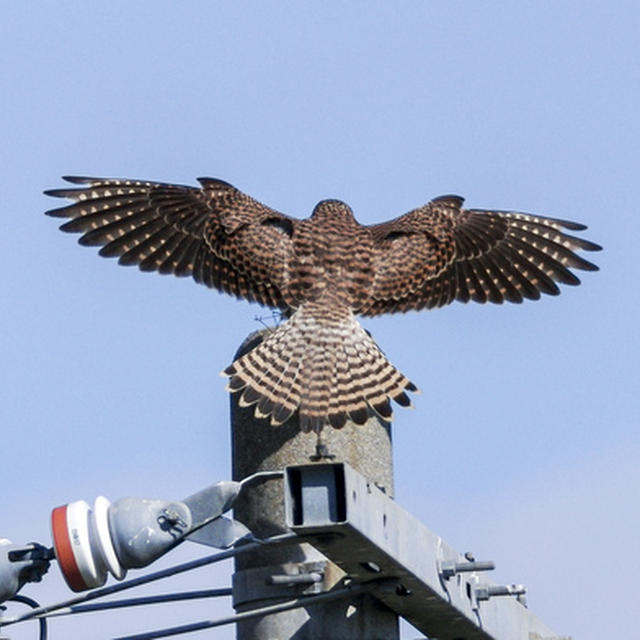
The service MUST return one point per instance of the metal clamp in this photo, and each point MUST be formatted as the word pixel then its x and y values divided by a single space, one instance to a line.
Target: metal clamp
pixel 21 564
pixel 283 581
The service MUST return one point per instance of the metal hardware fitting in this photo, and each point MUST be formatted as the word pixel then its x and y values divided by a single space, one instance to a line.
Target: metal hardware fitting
pixel 302 578
pixel 373 536
pixel 449 569
pixel 483 592
pixel 284 581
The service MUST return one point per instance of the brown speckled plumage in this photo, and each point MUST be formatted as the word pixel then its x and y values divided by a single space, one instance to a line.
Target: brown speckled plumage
pixel 323 271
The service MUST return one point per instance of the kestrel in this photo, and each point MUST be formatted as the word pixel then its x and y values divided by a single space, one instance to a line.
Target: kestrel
pixel 322 272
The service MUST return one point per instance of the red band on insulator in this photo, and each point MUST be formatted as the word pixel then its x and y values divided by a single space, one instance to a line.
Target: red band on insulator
pixel 64 551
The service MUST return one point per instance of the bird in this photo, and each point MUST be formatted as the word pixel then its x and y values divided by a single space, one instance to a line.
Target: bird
pixel 321 273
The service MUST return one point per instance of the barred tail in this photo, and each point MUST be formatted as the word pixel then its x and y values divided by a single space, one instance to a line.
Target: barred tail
pixel 322 363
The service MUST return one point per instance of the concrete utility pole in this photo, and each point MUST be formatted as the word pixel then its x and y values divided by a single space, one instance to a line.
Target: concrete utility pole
pixel 272 575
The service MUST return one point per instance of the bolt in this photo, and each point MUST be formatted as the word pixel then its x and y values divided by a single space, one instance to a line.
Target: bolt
pixel 484 592
pixel 450 569
pixel 170 520
pixel 302 578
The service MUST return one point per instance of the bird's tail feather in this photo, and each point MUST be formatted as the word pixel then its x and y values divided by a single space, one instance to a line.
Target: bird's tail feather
pixel 323 364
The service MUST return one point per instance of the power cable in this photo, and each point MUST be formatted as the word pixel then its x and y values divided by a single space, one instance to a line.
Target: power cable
pixel 287 538
pixel 303 601
pixel 136 602
pixel 42 623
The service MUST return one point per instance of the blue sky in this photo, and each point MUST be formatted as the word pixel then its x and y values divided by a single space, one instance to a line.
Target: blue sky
pixel 524 443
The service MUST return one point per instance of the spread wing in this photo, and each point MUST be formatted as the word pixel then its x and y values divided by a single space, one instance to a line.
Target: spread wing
pixel 441 252
pixel 218 235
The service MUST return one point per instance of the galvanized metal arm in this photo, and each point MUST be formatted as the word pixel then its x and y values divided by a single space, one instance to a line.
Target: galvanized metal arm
pixel 370 537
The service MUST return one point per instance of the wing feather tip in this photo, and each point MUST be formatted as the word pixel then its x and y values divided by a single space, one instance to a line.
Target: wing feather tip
pixel 79 179
pixel 55 193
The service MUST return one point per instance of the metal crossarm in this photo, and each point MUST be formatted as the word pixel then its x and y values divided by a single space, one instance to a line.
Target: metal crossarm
pixel 436 589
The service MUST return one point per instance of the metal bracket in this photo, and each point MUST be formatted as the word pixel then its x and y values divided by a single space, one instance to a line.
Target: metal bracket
pixel 212 502
pixel 371 537
pixel 220 533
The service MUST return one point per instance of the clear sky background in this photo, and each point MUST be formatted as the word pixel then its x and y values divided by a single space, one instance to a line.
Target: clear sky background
pixel 523 446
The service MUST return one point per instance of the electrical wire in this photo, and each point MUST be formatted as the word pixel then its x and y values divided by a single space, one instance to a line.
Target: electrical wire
pixel 261 475
pixel 286 538
pixel 303 601
pixel 42 623
pixel 136 602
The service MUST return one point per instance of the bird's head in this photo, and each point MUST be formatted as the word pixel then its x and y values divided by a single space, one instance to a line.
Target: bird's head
pixel 332 210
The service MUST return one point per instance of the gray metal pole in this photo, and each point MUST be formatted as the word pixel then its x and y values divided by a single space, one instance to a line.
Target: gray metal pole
pixel 271 575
